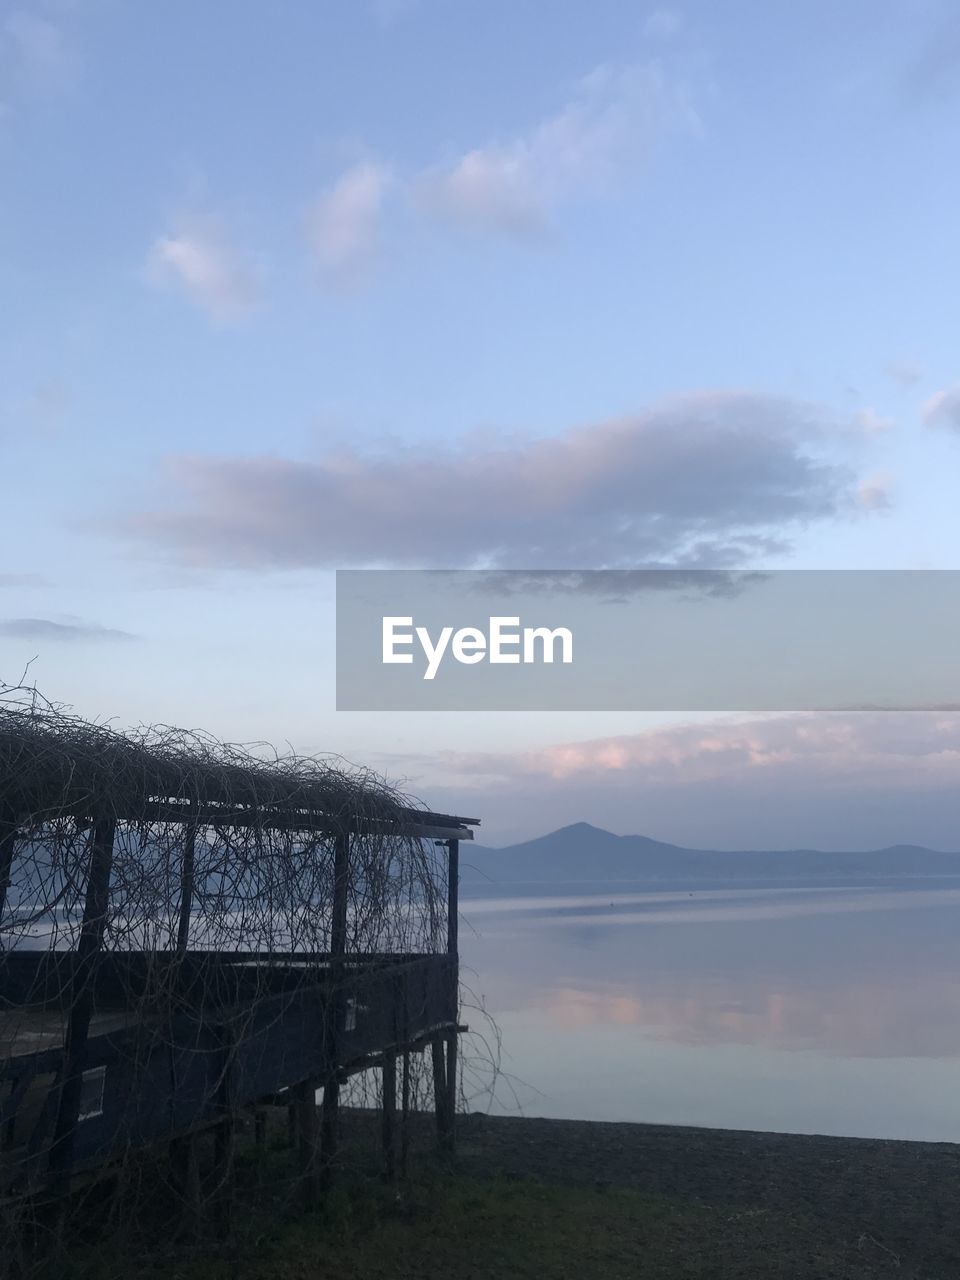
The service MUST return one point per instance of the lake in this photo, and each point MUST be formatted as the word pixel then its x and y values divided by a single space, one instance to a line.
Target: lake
pixel 813 1010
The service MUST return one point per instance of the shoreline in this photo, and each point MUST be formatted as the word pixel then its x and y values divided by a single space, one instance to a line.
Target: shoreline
pixel 527 1198
pixel 899 1193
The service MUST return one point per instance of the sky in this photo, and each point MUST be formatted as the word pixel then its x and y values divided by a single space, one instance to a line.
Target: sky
pixel 442 283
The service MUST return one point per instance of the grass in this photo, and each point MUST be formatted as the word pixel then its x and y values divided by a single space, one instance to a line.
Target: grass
pixel 461 1227
pixel 554 1200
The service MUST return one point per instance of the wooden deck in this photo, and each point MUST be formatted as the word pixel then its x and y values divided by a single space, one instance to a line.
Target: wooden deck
pixel 158 1067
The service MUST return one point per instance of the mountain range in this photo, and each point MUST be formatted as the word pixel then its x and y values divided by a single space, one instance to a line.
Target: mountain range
pixel 587 854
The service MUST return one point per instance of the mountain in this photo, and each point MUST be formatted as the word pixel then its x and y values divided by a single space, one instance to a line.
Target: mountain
pixel 589 854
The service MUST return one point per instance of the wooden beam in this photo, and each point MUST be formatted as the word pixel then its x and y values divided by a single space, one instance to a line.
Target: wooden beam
pixel 420 824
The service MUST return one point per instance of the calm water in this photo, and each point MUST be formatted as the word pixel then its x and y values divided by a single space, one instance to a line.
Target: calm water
pixel 818 1011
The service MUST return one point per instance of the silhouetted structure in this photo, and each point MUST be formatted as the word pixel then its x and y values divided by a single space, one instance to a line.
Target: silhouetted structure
pixel 189 928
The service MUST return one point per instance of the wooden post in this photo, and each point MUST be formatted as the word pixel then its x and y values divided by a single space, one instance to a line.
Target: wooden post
pixel 388 1115
pixel 8 836
pixel 224 1140
pixel 405 1113
pixel 90 941
pixel 260 1143
pixel 338 947
pixel 341 872
pixel 185 1159
pixel 453 919
pixel 224 1135
pixel 10 1125
pixel 453 886
pixel 308 1144
pixel 329 1128
pixel 439 1088
pixel 451 1098
pixel 186 885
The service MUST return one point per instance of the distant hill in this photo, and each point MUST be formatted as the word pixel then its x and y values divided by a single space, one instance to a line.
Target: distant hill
pixel 589 854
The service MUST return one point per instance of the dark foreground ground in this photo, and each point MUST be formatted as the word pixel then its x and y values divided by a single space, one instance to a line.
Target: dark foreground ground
pixel 746 1204
pixel 553 1198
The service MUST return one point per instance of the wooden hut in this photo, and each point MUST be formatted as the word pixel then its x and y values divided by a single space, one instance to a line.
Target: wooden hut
pixel 188 929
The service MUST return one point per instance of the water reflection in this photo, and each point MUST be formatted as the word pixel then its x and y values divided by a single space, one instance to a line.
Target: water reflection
pixel 828 1010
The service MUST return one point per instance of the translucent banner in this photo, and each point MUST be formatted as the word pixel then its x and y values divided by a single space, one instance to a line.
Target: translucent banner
pixel 647 640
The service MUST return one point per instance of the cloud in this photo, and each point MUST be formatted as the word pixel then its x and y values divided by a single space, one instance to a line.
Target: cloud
pixel 48 405
pixel 343 224
pixel 198 261
pixel 22 580
pixel 934 71
pixel 45 629
pixel 906 372
pixel 874 492
pixel 37 54
pixel 943 409
pixel 712 479
pixel 870 421
pixel 493 188
pixel 615 585
pixel 42 410
pixel 855 780
pixel 663 24
pixel 919 748
pixel 512 186
pixel 388 13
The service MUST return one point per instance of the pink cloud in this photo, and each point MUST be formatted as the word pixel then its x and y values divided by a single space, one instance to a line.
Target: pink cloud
pixel 712 479
pixel 919 748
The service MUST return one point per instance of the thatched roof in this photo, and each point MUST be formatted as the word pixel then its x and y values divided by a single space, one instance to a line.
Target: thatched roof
pixel 53 764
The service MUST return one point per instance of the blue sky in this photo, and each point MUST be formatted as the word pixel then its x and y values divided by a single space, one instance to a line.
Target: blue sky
pixel 293 288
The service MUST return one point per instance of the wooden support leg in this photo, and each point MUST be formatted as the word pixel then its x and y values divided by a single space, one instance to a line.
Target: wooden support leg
pixel 405 1114
pixel 260 1142
pixel 8 1135
pixel 308 1131
pixel 12 1260
pixel 80 1004
pixel 185 1161
pixel 439 1088
pixel 329 1129
pixel 8 835
pixel 223 1153
pixel 451 1098
pixel 389 1116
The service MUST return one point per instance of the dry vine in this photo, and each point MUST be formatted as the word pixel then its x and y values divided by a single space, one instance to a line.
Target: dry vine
pixel 259 879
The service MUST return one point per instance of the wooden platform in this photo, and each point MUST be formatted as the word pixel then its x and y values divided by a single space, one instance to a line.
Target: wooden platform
pixel 164 1059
